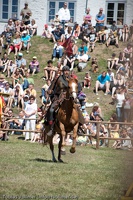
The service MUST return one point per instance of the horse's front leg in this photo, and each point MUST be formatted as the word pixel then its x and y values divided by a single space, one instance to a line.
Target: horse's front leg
pixel 50 141
pixel 72 150
pixel 59 149
pixel 63 134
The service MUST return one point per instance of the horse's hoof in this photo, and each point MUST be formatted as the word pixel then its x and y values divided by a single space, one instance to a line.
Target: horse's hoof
pixel 63 152
pixel 54 160
pixel 60 160
pixel 72 150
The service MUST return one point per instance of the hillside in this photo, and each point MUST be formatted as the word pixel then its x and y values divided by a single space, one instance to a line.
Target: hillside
pixel 42 48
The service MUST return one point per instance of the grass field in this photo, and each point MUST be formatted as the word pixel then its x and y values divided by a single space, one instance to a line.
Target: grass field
pixel 26 171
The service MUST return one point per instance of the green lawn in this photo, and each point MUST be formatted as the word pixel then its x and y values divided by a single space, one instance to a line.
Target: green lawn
pixel 26 169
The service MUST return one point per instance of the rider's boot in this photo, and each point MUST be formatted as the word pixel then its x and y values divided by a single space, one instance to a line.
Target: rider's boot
pixel 51 124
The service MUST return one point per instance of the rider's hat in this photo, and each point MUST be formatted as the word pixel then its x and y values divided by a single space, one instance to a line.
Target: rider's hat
pixel 65 68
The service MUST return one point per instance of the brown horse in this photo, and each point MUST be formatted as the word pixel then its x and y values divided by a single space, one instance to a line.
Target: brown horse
pixel 67 120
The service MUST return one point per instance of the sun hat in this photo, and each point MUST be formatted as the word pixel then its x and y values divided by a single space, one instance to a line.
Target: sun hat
pixel 24 32
pixel 34 57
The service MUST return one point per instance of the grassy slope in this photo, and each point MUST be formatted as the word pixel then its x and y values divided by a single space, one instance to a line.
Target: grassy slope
pixel 42 48
pixel 26 169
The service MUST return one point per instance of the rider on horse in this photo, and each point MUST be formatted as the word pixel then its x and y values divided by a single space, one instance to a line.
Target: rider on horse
pixel 57 91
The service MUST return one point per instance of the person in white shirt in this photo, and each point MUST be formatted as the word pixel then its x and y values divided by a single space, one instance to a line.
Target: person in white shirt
pixel 64 14
pixel 30 113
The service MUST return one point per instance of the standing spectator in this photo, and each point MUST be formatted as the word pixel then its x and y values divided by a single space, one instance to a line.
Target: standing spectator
pixel 103 83
pixel 34 66
pixel 100 18
pixel 127 108
pixel 87 17
pixel 125 33
pixel 87 80
pixel 120 97
pixel 1 43
pixel 64 14
pixel 26 14
pixel 30 112
pixel 131 31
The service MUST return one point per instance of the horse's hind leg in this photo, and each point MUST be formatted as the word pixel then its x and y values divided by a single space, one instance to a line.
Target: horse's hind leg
pixel 50 140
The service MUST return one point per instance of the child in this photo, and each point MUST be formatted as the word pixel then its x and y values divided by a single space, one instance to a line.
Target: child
pixel 87 80
pixel 94 65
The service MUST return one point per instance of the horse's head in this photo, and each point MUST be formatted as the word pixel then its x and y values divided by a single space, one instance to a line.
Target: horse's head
pixel 73 87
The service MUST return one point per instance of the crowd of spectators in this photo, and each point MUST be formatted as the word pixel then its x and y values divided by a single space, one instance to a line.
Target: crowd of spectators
pixel 116 81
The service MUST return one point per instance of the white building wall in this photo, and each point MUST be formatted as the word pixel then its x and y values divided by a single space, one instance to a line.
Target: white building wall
pixel 129 12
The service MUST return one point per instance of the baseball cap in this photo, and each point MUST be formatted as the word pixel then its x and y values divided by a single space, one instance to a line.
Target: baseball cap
pixel 20 54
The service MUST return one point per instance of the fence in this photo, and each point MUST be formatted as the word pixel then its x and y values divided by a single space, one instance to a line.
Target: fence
pixel 98 138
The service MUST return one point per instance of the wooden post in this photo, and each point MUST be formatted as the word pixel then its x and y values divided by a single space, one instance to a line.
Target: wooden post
pixel 108 136
pixel 97 134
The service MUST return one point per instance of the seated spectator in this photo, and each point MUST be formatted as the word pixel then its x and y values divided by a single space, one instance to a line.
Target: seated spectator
pixel 76 32
pixel 82 60
pixel 114 128
pixel 47 32
pixel 3 125
pixel 114 27
pixel 112 39
pixel 32 28
pixel 121 58
pixel 94 65
pixel 68 31
pixel 82 99
pixel 18 96
pixel 117 82
pixel 31 90
pixel 91 39
pixel 22 26
pixel 103 83
pixel 58 34
pixel 56 20
pixel 17 25
pixel 128 52
pixel 49 70
pixel 124 144
pixel 21 63
pixel 87 80
pixel 70 53
pixel 125 33
pixel 113 62
pixel 10 26
pixel 18 123
pixel 27 81
pixel 8 38
pixel 11 68
pixel 25 41
pixel 16 45
pixel 17 77
pixel 2 81
pixel 57 51
pixel 102 35
pixel 4 62
pixel 110 73
pixel 96 110
pixel 34 66
pixel 9 92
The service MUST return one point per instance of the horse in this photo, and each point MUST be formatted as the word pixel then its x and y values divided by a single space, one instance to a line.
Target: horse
pixel 67 120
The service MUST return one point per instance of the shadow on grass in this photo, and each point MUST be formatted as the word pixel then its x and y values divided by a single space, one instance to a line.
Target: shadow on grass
pixel 45 161
pixel 21 138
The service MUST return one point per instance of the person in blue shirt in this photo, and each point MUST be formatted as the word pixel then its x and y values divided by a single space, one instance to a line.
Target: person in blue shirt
pixel 25 39
pixel 100 18
pixel 103 82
